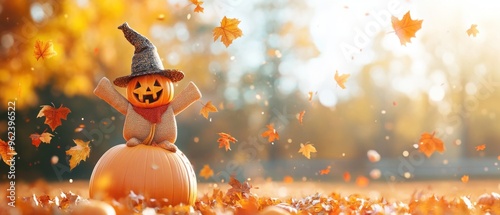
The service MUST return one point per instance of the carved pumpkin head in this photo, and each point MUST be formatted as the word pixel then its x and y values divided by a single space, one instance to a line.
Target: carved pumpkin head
pixel 149 91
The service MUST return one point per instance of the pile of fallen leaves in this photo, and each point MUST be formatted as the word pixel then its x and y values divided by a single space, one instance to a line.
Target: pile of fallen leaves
pixel 240 200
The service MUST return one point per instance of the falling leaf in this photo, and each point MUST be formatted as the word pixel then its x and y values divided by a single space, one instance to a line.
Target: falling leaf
pixel 225 140
pixel 347 176
pixel 271 133
pixel 465 178
pixel 300 116
pixel 228 31
pixel 310 95
pixel 306 149
pixel 207 108
pixel 238 188
pixel 341 79
pixel 288 179
pixel 206 172
pixel 53 115
pixel 325 171
pixel 428 144
pixel 481 147
pixel 44 50
pixel 406 28
pixel 7 152
pixel 198 7
pixel 472 30
pixel 36 138
pixel 362 181
pixel 78 153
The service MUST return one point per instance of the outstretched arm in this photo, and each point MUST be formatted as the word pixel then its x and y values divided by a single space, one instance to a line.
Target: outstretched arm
pixel 188 96
pixel 107 92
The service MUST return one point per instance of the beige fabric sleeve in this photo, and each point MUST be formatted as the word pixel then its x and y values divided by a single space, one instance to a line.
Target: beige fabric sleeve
pixel 108 93
pixel 185 98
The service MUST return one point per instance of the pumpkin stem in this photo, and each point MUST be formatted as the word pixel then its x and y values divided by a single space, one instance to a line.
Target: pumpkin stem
pixel 150 136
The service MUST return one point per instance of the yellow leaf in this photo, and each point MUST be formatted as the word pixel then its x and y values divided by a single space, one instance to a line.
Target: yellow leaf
pixel 207 108
pixel 78 153
pixel 46 137
pixel 271 133
pixel 341 79
pixel 472 30
pixel 406 28
pixel 310 95
pixel 307 149
pixel 44 50
pixel 228 31
pixel 206 172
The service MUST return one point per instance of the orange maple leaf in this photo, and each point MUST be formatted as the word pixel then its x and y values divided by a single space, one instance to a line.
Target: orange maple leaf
pixel 341 79
pixel 228 31
pixel 325 171
pixel 198 7
pixel 288 179
pixel 472 30
pixel 225 140
pixel 406 28
pixel 271 133
pixel 428 144
pixel 306 149
pixel 7 152
pixel 36 138
pixel 481 147
pixel 362 181
pixel 53 115
pixel 207 108
pixel 206 172
pixel 44 50
pixel 300 116
pixel 347 176
pixel 465 178
pixel 78 153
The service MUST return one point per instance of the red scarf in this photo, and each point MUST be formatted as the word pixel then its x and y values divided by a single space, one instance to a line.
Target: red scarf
pixel 153 115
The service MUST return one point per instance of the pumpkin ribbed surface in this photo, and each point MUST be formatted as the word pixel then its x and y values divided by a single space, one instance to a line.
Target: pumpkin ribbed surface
pixel 150 171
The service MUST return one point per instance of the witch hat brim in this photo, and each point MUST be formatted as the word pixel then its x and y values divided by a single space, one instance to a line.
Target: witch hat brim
pixel 146 60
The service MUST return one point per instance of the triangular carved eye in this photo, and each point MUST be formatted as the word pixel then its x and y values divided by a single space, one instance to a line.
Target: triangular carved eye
pixel 137 85
pixel 157 83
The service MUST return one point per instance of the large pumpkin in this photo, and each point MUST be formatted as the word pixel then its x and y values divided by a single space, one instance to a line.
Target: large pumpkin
pixel 149 91
pixel 157 174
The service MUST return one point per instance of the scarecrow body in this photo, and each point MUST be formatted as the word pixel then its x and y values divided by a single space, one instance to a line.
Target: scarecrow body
pixel 143 125
pixel 136 129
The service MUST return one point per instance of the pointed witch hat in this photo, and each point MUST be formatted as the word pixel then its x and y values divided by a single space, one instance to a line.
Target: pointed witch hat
pixel 146 60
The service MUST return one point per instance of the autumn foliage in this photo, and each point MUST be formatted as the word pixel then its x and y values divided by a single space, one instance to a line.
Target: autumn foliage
pixel 227 31
pixel 225 140
pixel 53 116
pixel 429 144
pixel 44 50
pixel 406 27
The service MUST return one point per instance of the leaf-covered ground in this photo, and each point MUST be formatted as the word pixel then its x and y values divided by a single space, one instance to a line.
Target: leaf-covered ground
pixel 430 197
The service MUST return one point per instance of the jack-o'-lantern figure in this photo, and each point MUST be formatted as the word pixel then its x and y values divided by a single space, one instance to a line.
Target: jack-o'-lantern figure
pixel 150 131
pixel 150 91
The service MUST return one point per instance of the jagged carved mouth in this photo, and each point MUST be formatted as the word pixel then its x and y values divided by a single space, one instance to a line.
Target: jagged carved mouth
pixel 149 96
